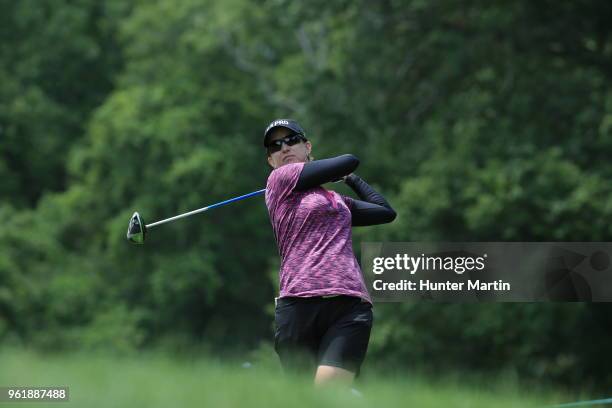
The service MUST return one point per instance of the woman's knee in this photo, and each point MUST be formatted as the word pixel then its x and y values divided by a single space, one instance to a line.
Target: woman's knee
pixel 329 374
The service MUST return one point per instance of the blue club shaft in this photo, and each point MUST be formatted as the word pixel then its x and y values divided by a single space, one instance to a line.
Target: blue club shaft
pixel 583 403
pixel 199 210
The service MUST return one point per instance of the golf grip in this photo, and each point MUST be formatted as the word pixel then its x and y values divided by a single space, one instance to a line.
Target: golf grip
pixel 199 210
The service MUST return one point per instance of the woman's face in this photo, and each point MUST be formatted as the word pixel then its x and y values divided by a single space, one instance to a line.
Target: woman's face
pixel 297 153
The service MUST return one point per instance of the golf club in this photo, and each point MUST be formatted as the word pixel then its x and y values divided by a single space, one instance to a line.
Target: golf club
pixel 137 228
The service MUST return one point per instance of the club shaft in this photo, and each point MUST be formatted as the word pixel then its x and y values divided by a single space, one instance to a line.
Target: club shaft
pixel 200 210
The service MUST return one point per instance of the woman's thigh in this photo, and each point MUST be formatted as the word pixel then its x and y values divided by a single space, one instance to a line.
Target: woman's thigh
pixel 295 337
pixel 345 342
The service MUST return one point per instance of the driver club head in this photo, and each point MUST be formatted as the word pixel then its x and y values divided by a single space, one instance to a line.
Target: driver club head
pixel 137 229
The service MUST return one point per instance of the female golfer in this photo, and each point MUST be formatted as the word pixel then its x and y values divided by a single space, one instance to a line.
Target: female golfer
pixel 324 312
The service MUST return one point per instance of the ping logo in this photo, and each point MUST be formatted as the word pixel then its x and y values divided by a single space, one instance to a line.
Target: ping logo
pixel 277 123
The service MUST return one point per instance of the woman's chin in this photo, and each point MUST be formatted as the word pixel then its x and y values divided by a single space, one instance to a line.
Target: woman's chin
pixel 291 159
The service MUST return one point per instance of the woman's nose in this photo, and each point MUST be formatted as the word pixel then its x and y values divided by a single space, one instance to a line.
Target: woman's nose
pixel 285 147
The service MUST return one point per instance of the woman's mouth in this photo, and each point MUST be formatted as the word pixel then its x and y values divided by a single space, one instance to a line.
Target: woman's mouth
pixel 288 157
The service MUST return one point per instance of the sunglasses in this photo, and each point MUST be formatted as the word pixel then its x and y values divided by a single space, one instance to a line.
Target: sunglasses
pixel 289 140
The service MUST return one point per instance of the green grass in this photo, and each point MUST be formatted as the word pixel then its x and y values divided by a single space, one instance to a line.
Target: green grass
pixel 153 380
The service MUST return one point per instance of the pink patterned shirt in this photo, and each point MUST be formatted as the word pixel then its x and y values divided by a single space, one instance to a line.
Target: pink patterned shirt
pixel 313 234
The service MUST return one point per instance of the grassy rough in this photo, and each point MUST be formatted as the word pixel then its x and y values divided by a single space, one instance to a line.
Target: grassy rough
pixel 154 380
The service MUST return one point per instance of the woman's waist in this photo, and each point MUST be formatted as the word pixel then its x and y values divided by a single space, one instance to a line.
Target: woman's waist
pixel 316 254
pixel 318 266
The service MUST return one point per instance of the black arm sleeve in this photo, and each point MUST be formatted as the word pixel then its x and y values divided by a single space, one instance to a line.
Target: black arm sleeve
pixel 323 171
pixel 372 209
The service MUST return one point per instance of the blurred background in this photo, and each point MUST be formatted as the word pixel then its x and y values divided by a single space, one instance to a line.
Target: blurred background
pixel 478 120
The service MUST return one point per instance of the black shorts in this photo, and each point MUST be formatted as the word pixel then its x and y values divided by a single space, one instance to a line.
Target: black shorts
pixel 317 331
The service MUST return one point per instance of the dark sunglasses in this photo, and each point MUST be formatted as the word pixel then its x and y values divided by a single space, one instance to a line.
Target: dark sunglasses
pixel 289 140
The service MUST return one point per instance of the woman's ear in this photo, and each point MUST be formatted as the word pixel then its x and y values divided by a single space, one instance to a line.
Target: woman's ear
pixel 270 161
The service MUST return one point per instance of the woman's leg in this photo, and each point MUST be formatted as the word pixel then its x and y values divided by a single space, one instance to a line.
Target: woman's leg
pixel 345 342
pixel 295 341
pixel 329 374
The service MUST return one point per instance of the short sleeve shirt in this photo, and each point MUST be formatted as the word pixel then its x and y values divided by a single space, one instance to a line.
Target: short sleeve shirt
pixel 313 234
